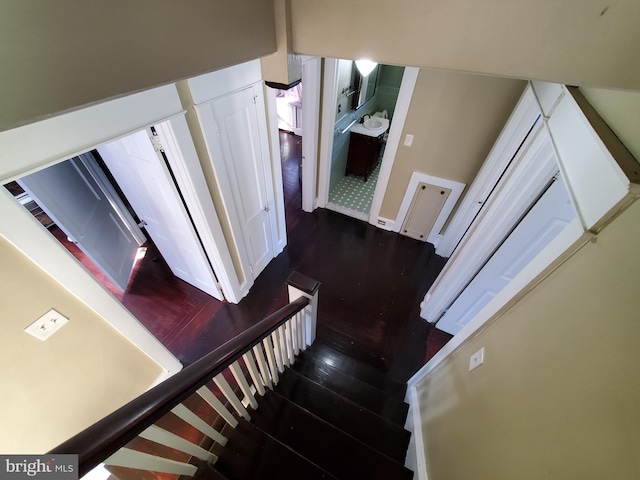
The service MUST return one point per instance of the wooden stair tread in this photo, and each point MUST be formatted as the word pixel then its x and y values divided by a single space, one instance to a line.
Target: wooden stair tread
pixel 251 454
pixel 357 391
pixel 323 444
pixel 320 352
pixel 377 432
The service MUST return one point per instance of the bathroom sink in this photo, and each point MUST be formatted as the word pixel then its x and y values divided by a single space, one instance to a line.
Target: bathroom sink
pixel 372 123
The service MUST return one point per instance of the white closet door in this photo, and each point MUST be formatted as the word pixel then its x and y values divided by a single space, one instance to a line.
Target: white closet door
pixel 546 219
pixel 232 130
pixel 70 195
pixel 147 183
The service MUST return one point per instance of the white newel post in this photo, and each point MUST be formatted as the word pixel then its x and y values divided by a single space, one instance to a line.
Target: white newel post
pixel 300 285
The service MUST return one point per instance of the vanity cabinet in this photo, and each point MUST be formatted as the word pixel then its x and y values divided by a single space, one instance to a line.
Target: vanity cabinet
pixel 363 154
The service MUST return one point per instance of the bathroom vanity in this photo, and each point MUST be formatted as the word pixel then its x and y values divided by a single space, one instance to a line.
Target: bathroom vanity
pixel 365 142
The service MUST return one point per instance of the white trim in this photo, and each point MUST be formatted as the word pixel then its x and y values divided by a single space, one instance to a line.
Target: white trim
pixel 329 93
pixel 311 83
pixel 561 248
pixel 403 103
pixel 413 424
pixel 181 154
pixel 507 144
pixel 22 230
pixel 278 223
pixel 32 147
pixel 521 185
pixel 418 177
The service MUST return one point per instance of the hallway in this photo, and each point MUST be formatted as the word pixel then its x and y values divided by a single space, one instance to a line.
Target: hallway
pixel 372 284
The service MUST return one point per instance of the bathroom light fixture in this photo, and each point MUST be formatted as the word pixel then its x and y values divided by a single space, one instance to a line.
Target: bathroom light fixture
pixel 365 67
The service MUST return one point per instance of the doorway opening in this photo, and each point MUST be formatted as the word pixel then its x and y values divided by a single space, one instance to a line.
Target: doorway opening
pixel 133 243
pixel 365 106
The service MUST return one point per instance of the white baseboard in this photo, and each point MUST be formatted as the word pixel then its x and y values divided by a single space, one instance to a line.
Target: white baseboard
pixel 385 224
pixel 415 459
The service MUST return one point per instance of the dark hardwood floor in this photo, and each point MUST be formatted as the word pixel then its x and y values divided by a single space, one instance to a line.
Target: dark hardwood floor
pixel 372 284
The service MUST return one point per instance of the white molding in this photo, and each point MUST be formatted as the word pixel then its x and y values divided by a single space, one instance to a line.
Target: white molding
pixel 32 147
pixel 418 177
pixel 561 248
pixel 279 225
pixel 413 424
pixel 403 103
pixel 522 183
pixel 224 81
pixel 22 230
pixel 513 134
pixel 311 85
pixel 183 158
pixel 329 92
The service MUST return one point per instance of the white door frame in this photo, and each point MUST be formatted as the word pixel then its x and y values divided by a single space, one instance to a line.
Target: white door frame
pixel 33 147
pixel 311 85
pixel 330 85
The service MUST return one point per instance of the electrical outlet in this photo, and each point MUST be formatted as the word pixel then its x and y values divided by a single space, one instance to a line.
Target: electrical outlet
pixel 47 325
pixel 408 140
pixel 476 359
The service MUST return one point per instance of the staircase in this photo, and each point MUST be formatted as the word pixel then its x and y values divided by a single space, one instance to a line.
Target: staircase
pixel 284 407
pixel 329 417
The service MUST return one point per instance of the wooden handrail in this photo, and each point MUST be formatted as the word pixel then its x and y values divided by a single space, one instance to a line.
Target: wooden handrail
pixel 99 441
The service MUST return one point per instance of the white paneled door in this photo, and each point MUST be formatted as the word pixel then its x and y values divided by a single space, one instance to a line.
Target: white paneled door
pixel 72 197
pixel 146 181
pixel 546 219
pixel 234 135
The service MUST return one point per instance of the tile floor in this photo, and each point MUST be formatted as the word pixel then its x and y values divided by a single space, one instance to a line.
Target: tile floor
pixel 354 193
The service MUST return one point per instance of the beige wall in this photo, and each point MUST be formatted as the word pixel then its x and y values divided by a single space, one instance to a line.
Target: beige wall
pixel 576 42
pixel 53 389
pixel 60 55
pixel 621 111
pixel 558 394
pixel 455 118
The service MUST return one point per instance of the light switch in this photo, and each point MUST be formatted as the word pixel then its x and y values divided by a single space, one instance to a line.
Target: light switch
pixel 408 140
pixel 476 359
pixel 47 325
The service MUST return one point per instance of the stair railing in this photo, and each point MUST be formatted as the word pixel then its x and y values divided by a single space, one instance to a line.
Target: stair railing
pixel 267 348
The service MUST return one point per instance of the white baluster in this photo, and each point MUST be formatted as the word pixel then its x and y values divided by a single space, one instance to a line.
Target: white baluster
pixel 293 324
pixel 125 457
pixel 196 422
pixel 262 365
pixel 289 343
pixel 217 405
pixel 253 371
pixel 275 340
pixel 284 351
pixel 273 367
pixel 163 437
pixel 243 384
pixel 227 391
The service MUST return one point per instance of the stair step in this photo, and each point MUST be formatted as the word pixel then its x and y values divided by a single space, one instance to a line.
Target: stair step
pixel 360 392
pixel 251 454
pixel 323 444
pixel 320 352
pixel 380 434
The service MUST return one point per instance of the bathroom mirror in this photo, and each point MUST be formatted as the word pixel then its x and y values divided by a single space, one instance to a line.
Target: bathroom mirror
pixel 365 87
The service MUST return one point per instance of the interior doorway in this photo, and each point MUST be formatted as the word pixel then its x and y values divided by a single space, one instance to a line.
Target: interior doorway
pixel 152 284
pixel 365 104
